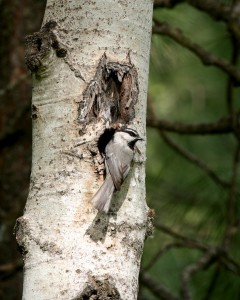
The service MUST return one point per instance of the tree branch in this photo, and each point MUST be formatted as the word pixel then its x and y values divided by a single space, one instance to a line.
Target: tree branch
pixel 189 156
pixel 229 263
pixel 156 288
pixel 206 57
pixel 166 3
pixel 162 251
pixel 186 244
pixel 215 9
pixel 229 89
pixel 224 125
pixel 213 283
pixel 187 241
pixel 183 152
pixel 190 270
pixel 230 217
pixel 220 252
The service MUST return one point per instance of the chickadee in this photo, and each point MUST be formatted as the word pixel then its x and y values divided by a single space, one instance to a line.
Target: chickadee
pixel 118 156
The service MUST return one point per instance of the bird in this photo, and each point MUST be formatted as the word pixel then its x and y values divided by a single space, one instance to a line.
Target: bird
pixel 118 156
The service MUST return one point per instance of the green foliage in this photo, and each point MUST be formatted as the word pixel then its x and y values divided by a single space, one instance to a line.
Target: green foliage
pixel 184 197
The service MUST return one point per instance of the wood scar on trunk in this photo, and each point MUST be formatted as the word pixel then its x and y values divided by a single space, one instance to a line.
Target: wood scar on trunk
pixel 111 95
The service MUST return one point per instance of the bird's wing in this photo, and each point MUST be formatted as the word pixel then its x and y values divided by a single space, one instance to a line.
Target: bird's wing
pixel 117 170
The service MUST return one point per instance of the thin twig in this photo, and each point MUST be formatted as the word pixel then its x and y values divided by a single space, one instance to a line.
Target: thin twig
pixel 190 242
pixel 220 252
pixel 156 287
pixel 230 85
pixel 212 284
pixel 229 263
pixel 196 161
pixel 162 251
pixel 206 57
pixel 190 270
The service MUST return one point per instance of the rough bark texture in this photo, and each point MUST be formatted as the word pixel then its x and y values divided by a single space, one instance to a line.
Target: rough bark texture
pixel 90 69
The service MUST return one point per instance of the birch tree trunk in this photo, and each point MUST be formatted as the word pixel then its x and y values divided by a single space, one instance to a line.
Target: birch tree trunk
pixel 90 71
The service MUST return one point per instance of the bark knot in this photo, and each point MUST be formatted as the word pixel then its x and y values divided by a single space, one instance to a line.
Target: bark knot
pixel 39 44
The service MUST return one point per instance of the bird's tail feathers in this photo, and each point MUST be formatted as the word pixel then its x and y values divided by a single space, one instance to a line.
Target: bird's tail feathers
pixel 102 199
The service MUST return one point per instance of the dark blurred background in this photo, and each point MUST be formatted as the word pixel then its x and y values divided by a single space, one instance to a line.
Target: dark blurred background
pixel 192 153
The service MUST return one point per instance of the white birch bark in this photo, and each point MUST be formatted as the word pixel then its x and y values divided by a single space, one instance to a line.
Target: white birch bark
pixel 72 251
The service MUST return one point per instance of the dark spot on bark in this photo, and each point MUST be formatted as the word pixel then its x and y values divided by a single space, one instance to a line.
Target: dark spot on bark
pixel 61 52
pixel 34 112
pixel 50 25
pixel 81 132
